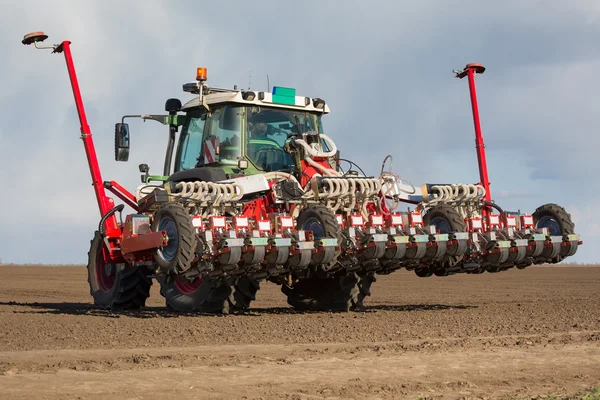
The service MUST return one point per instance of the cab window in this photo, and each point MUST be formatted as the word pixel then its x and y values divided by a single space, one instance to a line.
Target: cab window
pixel 222 136
pixel 190 140
pixel 268 131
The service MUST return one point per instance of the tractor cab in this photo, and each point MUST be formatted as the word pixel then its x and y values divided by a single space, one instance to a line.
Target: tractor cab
pixel 230 132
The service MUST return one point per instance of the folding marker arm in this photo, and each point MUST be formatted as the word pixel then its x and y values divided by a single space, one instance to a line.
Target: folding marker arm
pixel 105 203
pixel 469 71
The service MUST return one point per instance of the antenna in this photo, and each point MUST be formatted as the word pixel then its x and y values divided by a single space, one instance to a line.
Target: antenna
pixel 268 85
pixel 250 80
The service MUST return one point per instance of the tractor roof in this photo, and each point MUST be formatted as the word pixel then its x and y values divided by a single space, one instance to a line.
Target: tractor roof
pixel 279 98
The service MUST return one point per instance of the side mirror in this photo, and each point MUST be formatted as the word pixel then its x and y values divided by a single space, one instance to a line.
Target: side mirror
pixel 173 105
pixel 144 168
pixel 121 142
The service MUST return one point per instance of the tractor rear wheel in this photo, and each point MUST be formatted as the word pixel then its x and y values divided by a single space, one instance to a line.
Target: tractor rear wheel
pixel 115 286
pixel 446 219
pixel 321 221
pixel 339 293
pixel 364 287
pixel 200 295
pixel 555 218
pixel 245 292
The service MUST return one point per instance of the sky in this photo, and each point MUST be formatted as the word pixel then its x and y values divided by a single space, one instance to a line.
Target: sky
pixel 384 68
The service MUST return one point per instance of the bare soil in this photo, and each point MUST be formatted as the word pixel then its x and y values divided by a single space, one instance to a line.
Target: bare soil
pixel 518 333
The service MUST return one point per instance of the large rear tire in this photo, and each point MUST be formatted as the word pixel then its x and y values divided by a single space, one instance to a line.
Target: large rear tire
pixel 245 292
pixel 364 286
pixel 321 221
pixel 339 293
pixel 555 218
pixel 115 286
pixel 200 295
pixel 446 219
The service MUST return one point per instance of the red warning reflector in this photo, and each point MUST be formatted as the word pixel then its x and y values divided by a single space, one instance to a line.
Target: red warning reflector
pixel 264 226
pixel 197 222
pixel 217 222
pixel 494 220
pixel 511 221
pixel 241 222
pixel 415 218
pixel 286 222
pixel 396 220
pixel 475 223
pixel 376 220
pixel 356 220
pixel 527 221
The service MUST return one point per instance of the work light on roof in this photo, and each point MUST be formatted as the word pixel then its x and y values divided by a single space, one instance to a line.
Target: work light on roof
pixel 319 103
pixel 248 95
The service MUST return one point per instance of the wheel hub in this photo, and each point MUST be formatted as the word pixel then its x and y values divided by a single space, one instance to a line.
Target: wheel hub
pixel 441 225
pixel 551 224
pixel 105 273
pixel 170 250
pixel 314 225
pixel 186 287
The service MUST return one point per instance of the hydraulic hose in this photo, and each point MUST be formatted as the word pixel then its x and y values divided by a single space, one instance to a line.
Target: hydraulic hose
pixel 315 153
pixel 215 193
pixel 494 205
pixel 106 216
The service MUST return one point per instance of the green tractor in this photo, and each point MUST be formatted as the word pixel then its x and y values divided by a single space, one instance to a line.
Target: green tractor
pixel 253 190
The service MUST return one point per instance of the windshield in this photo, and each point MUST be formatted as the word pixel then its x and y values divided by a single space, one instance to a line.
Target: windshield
pixel 268 131
pixel 210 139
pixel 231 132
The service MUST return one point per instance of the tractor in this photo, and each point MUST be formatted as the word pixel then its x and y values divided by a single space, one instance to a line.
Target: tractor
pixel 253 190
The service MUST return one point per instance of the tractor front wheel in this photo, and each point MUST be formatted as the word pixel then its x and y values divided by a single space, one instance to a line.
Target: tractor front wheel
pixel 115 286
pixel 177 255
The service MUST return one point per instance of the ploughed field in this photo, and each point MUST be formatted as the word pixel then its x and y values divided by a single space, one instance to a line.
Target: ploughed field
pixel 517 333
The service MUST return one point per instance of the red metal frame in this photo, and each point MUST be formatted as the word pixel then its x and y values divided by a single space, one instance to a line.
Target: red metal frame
pixel 123 194
pixel 470 71
pixel 105 203
pixel 307 171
